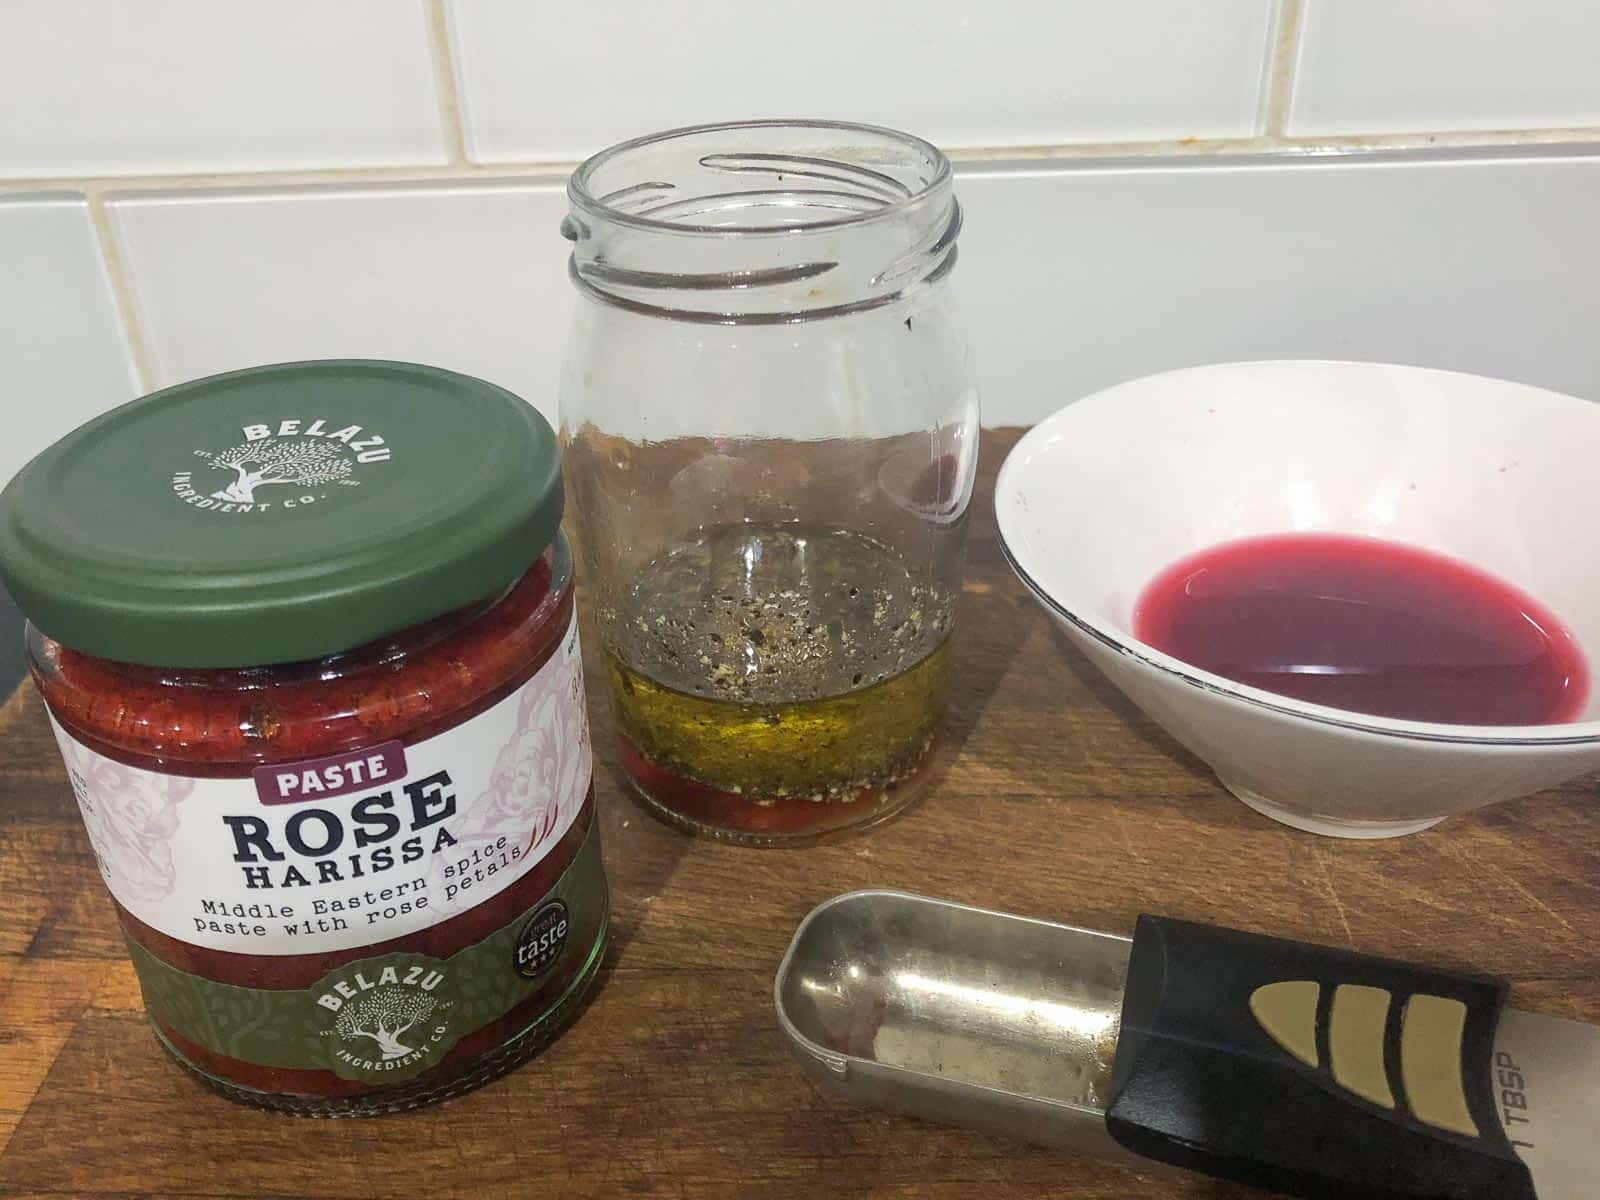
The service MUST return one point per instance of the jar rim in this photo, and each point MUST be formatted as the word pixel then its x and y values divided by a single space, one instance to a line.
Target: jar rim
pixel 582 198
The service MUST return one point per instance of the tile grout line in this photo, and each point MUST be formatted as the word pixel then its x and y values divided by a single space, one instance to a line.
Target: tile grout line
pixel 306 177
pixel 121 291
pixel 1202 152
pixel 1181 151
pixel 445 82
pixel 1281 65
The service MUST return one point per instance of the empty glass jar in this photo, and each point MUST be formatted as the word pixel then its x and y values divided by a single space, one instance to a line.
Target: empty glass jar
pixel 771 429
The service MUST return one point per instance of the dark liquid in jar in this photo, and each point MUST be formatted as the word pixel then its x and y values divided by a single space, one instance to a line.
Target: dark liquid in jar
pixel 1370 626
pixel 776 680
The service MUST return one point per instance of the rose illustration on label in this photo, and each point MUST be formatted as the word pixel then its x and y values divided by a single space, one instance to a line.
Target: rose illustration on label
pixel 306 462
pixel 540 777
pixel 543 769
pixel 131 818
pixel 393 1016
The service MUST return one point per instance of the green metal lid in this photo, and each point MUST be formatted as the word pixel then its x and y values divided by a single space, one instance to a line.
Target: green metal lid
pixel 279 513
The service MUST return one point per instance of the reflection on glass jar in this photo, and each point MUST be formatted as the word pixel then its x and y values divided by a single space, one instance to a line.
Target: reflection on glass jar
pixel 771 425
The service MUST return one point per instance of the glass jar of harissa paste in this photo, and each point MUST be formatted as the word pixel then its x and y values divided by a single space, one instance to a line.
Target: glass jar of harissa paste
pixel 307 638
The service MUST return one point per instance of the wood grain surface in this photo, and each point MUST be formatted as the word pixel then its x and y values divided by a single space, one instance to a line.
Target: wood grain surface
pixel 1053 797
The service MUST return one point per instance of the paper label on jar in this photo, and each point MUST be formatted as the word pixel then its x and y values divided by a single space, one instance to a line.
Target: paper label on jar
pixel 352 849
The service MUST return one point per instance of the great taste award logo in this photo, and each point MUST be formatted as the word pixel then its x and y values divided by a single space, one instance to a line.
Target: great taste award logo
pixel 290 464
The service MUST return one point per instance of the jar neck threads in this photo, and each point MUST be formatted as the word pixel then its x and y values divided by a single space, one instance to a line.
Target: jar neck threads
pixel 763 222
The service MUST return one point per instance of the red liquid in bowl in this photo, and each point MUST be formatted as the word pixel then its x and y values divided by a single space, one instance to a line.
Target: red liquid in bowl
pixel 1368 626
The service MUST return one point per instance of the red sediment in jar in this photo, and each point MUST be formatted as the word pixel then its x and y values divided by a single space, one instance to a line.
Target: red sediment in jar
pixel 786 816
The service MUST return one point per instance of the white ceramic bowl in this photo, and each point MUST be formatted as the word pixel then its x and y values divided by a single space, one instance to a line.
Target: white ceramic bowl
pixel 1097 499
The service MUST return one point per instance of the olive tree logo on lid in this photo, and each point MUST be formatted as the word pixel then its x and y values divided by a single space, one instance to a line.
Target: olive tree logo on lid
pixel 392 1017
pixel 294 460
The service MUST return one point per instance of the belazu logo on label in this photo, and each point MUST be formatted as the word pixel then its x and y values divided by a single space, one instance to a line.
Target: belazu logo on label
pixel 335 775
pixel 286 464
pixel 390 1017
pixel 541 940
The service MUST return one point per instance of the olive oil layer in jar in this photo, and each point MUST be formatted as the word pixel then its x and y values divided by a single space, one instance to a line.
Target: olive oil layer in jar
pixel 775 681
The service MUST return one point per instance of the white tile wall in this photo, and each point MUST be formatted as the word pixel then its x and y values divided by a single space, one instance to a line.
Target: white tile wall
pixel 465 276
pixel 1386 66
pixel 62 356
pixel 1075 272
pixel 1074 279
pixel 100 87
pixel 548 80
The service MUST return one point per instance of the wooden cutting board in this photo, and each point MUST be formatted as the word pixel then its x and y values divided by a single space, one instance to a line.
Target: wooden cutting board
pixel 1053 798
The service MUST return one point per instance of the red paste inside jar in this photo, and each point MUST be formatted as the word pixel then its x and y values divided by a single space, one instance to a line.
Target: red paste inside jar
pixel 225 722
